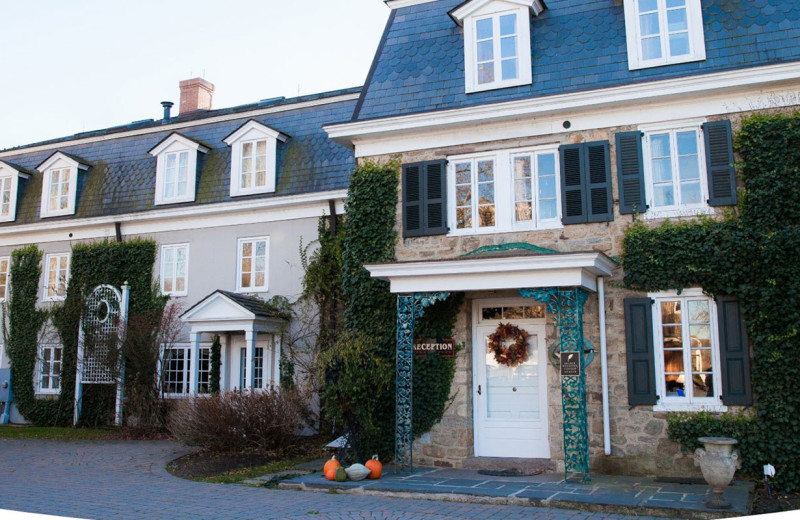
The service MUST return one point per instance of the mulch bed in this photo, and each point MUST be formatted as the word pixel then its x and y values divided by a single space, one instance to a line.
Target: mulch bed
pixel 762 503
pixel 208 464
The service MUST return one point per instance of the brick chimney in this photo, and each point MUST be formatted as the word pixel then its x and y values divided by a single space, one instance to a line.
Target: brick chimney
pixel 195 95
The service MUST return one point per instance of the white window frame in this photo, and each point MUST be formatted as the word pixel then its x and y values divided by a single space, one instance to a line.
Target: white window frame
pixel 40 366
pixel 55 297
pixel 686 403
pixel 176 144
pixel 5 272
pixel 9 181
pixel 59 162
pixel 495 10
pixel 186 371
pixel 253 132
pixel 239 250
pixel 504 199
pixel 697 42
pixel 203 352
pixel 163 278
pixel 679 209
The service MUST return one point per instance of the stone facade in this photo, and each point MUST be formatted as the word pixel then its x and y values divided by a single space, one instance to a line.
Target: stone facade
pixel 639 440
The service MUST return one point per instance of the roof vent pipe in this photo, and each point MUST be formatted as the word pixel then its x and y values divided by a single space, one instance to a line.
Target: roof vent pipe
pixel 167 107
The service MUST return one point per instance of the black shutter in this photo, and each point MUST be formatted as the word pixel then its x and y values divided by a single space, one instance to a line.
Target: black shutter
pixel 412 200
pixel 424 198
pixel 734 351
pixel 435 198
pixel 573 194
pixel 598 164
pixel 640 352
pixel 719 163
pixel 630 172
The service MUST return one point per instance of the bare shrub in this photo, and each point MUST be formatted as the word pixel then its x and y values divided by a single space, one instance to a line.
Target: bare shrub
pixel 236 421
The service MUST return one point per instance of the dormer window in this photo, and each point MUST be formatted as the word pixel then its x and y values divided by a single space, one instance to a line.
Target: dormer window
pixel 176 169
pixel 253 158
pixel 497 42
pixel 664 32
pixel 9 188
pixel 60 184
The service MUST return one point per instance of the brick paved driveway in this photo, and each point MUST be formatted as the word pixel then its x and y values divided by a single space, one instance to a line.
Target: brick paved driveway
pixel 127 480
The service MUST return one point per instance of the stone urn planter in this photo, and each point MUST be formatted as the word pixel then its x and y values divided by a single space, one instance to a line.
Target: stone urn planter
pixel 718 462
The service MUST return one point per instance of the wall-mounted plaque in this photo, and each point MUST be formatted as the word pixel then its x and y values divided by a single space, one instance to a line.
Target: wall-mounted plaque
pixel 442 347
pixel 571 363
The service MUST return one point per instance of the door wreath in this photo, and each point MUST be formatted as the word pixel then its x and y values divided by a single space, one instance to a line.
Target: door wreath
pixel 514 354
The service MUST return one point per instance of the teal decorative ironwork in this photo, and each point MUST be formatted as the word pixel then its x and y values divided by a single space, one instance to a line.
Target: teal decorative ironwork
pixel 566 306
pixel 514 246
pixel 410 307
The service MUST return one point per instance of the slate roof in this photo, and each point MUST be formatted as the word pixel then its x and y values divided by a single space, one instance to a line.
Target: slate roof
pixel 249 303
pixel 575 45
pixel 122 175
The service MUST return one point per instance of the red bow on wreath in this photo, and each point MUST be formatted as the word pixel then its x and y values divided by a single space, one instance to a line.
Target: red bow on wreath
pixel 514 354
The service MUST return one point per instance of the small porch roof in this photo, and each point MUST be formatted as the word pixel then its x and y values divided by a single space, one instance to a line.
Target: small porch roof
pixel 224 311
pixel 500 267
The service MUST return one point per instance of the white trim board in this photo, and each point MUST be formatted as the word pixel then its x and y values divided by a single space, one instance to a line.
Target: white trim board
pixel 556 270
pixel 697 96
pixel 60 145
pixel 399 4
pixel 177 219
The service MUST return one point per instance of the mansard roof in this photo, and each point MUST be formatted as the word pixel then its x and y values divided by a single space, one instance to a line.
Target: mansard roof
pixel 122 174
pixel 576 45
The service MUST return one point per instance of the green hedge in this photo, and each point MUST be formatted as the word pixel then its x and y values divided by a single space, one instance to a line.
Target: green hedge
pixel 752 255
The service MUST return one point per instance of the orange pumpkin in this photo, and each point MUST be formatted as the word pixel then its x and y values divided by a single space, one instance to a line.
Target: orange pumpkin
pixel 375 467
pixel 330 468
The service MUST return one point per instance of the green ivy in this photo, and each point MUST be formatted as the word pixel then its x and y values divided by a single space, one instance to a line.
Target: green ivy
pixel 754 257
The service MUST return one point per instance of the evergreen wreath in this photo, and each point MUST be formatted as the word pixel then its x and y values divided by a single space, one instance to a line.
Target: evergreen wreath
pixel 514 354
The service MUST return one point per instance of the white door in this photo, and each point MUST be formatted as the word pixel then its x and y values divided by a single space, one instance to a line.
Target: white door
pixel 511 415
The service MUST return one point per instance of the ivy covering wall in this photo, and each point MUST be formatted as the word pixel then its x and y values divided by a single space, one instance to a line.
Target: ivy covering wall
pixel 360 395
pixel 753 256
pixel 113 263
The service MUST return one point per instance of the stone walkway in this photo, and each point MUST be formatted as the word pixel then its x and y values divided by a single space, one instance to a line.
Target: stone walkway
pixel 626 495
pixel 115 480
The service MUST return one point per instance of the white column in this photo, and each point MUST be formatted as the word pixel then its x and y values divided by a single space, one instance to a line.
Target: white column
pixel 601 306
pixel 194 338
pixel 250 346
pixel 276 361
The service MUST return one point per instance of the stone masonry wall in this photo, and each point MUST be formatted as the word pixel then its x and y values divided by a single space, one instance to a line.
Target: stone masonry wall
pixel 638 436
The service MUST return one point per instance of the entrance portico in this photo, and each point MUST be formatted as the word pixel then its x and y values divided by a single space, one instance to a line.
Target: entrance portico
pixel 224 312
pixel 562 281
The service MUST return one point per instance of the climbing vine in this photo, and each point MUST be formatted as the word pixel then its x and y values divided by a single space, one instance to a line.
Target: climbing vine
pixel 754 257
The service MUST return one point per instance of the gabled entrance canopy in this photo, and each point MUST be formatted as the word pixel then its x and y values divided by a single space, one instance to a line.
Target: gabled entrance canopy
pixel 491 269
pixel 224 311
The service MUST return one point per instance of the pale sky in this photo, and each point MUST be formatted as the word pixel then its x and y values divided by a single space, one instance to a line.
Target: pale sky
pixel 69 66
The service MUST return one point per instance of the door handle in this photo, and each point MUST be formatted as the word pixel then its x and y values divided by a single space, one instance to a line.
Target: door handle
pixel 479 389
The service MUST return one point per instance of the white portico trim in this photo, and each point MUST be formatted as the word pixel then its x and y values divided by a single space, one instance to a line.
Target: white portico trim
pixel 516 272
pixel 225 312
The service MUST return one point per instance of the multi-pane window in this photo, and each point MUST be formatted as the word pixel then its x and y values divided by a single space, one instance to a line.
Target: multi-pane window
pixel 253 173
pixel 176 176
pixel 535 188
pixel 475 200
pixel 686 350
pixel 664 31
pixel 204 371
pixel 509 190
pixel 50 368
pixel 242 368
pixel 253 257
pixel 56 276
pixel 5 196
pixel 4 270
pixel 496 42
pixel 58 189
pixel 175 370
pixel 675 169
pixel 258 368
pixel 174 269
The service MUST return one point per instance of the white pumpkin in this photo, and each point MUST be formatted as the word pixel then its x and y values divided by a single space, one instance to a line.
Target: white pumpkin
pixel 357 472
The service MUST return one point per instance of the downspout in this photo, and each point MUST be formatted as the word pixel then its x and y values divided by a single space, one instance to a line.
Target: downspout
pixel 601 297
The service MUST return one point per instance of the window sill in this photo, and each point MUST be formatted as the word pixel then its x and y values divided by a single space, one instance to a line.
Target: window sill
pixel 494 230
pixel 689 407
pixel 254 290
pixel 57 213
pixel 54 299
pixel 472 89
pixel 48 392
pixel 255 191
pixel 639 65
pixel 165 202
pixel 653 214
